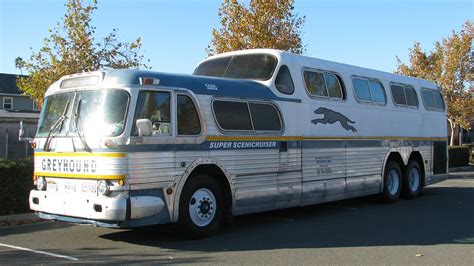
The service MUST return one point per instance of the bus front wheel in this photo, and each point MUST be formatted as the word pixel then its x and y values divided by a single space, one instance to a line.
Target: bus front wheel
pixel 391 183
pixel 200 207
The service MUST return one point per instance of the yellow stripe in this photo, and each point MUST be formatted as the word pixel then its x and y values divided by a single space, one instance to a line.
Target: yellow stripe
pixel 81 176
pixel 294 138
pixel 82 154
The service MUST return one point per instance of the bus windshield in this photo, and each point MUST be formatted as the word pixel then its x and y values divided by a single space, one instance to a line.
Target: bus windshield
pixel 93 113
pixel 250 66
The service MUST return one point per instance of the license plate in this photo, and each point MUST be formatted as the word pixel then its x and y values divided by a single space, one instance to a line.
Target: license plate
pixel 70 186
pixel 89 187
pixel 52 186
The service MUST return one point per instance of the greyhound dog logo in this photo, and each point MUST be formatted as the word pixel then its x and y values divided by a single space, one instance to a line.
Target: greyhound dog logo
pixel 331 117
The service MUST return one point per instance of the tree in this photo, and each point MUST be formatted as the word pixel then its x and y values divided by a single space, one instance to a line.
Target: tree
pixel 263 24
pixel 71 48
pixel 449 64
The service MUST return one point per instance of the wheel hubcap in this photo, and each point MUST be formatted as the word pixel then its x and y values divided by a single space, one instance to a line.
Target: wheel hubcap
pixel 202 207
pixel 393 182
pixel 414 179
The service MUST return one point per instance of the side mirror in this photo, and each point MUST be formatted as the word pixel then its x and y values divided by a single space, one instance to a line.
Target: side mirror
pixel 21 134
pixel 145 128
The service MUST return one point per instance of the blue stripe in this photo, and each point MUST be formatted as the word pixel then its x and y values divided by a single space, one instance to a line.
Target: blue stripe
pixel 213 86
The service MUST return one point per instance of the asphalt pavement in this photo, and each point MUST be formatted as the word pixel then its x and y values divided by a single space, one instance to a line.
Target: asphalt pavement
pixel 436 228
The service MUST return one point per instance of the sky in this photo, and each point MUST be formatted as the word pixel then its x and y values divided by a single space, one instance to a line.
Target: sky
pixel 367 33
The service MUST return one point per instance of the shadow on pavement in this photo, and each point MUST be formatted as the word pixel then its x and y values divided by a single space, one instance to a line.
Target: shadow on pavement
pixel 443 215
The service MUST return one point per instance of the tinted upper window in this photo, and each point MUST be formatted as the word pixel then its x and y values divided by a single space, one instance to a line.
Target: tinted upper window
pixel 249 66
pixel 322 84
pixel 404 95
pixel 232 115
pixel 283 81
pixel 377 92
pixel 265 117
pixel 398 94
pixel 361 89
pixel 188 118
pixel 369 90
pixel 433 100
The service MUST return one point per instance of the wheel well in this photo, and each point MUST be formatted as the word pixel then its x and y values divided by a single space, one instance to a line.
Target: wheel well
pixel 416 156
pixel 215 172
pixel 396 157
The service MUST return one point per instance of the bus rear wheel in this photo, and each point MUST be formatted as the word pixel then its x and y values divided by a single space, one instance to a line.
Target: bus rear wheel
pixel 200 207
pixel 391 183
pixel 412 181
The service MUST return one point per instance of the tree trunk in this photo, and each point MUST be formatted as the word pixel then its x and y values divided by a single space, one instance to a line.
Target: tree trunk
pixel 452 126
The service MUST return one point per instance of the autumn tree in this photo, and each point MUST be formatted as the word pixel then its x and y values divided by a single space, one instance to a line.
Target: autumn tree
pixel 261 24
pixel 449 65
pixel 71 48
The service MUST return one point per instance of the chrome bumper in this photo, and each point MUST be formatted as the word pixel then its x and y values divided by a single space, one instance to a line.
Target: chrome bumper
pixel 95 207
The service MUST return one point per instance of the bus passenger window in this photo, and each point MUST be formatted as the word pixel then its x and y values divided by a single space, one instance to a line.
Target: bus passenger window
pixel 315 83
pixel 232 115
pixel 438 100
pixel 398 95
pixel 432 99
pixel 188 119
pixel 334 88
pixel 412 99
pixel 265 117
pixel 377 92
pixel 361 89
pixel 156 107
pixel 283 82
pixel 404 95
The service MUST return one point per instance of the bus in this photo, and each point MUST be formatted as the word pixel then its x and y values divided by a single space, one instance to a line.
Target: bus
pixel 248 131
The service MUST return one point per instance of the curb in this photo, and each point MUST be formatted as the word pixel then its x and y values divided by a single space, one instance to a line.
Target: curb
pixel 468 168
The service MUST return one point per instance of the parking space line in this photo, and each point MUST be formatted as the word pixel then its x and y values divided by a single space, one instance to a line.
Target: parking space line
pixel 39 252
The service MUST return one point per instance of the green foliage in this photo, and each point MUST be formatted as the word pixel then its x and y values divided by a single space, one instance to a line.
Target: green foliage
pixel 450 65
pixel 16 182
pixel 263 24
pixel 458 156
pixel 71 48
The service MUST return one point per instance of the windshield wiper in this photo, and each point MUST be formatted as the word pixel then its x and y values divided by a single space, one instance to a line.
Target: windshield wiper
pixel 80 133
pixel 57 124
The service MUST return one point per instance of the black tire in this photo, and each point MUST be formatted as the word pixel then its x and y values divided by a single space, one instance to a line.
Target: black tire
pixel 412 184
pixel 207 218
pixel 391 190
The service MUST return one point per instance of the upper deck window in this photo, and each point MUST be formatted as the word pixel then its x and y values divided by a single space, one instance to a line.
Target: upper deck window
pixel 284 82
pixel 322 84
pixel 404 95
pixel 368 90
pixel 247 66
pixel 432 99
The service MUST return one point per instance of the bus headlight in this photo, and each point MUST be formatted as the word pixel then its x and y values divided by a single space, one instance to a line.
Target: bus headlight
pixel 103 187
pixel 41 183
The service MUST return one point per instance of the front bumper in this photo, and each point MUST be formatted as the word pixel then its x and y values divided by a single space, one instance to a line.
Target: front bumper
pixel 93 207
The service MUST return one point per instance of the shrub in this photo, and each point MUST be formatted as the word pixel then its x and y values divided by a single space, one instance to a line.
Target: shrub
pixel 15 184
pixel 458 156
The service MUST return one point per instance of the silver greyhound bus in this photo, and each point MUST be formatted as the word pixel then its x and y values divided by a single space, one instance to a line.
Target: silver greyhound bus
pixel 249 131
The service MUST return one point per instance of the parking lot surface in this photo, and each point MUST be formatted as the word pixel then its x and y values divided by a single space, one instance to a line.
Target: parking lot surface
pixel 436 228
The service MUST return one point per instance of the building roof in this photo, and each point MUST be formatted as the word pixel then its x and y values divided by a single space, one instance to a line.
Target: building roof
pixel 8 84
